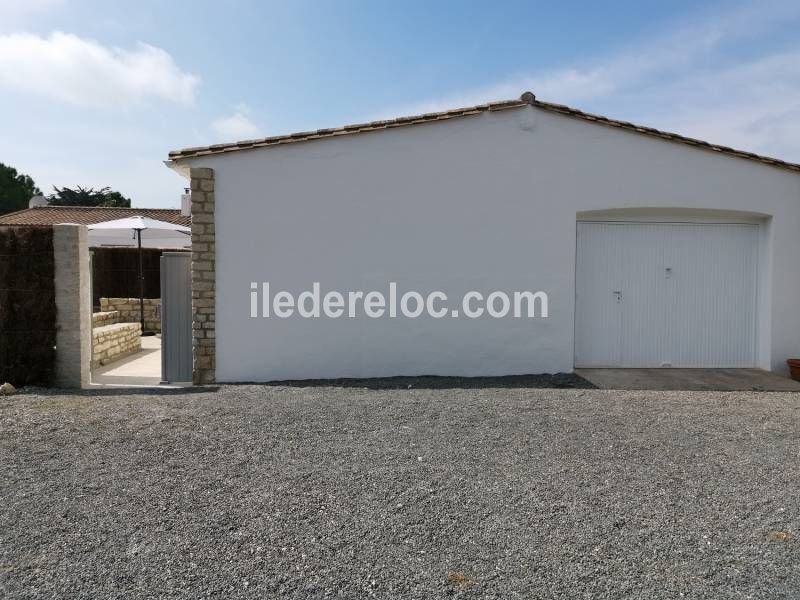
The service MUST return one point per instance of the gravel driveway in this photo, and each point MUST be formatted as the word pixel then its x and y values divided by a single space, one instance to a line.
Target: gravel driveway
pixel 265 492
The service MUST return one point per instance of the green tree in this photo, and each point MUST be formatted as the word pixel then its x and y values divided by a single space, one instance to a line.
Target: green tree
pixel 16 190
pixel 81 196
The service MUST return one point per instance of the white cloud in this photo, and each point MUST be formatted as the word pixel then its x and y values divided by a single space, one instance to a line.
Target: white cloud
pixel 237 126
pixel 682 81
pixel 14 14
pixel 753 105
pixel 85 73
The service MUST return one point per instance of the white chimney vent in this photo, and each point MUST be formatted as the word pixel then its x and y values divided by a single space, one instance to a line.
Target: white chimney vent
pixel 186 203
pixel 37 201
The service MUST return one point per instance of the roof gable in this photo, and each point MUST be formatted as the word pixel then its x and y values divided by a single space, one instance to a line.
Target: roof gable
pixel 527 99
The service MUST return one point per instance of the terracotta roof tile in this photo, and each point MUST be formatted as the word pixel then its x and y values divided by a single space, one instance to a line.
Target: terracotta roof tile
pixel 527 99
pixel 88 215
pixel 344 130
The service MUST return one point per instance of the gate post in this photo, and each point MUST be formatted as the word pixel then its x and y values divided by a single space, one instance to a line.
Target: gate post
pixel 203 276
pixel 73 306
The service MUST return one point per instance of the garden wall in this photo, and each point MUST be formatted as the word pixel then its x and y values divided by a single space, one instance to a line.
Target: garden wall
pixel 99 319
pixel 128 309
pixel 115 341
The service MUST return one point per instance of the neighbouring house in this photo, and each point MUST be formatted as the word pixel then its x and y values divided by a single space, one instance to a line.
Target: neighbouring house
pixel 654 249
pixel 88 215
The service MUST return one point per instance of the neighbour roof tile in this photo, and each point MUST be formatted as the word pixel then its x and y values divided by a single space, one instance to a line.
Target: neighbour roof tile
pixel 88 215
pixel 527 99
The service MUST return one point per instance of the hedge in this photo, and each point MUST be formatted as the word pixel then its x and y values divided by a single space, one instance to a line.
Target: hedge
pixel 27 306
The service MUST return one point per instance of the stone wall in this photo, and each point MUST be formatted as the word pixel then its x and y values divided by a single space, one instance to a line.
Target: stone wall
pixel 116 341
pixel 128 309
pixel 73 306
pixel 105 318
pixel 203 276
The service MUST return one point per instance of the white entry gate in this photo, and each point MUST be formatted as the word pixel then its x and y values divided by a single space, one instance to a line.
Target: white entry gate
pixel 666 295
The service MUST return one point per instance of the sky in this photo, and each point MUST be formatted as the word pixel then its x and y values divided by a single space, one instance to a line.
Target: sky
pixel 97 93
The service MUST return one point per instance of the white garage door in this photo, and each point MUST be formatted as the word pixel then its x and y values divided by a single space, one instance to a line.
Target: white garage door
pixel 666 294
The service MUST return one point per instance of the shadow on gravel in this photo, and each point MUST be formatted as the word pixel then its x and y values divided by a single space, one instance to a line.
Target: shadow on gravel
pixel 131 391
pixel 433 382
pixel 421 382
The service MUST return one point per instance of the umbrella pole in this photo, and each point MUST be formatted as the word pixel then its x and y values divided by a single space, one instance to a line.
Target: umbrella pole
pixel 141 280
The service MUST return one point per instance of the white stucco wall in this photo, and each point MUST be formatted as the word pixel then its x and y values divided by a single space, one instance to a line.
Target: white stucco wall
pixel 480 203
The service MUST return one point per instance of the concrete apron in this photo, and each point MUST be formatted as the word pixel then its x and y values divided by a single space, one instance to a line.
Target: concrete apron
pixel 142 369
pixel 724 380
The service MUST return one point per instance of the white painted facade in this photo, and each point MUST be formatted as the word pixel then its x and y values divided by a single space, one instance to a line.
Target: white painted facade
pixel 485 202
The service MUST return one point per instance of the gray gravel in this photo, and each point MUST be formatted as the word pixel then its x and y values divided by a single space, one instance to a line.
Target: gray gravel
pixel 261 492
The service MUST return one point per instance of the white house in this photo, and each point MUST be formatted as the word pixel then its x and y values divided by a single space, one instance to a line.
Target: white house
pixel 653 249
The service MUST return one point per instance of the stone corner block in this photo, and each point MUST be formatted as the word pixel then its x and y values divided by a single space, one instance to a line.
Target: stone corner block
pixel 203 276
pixel 201 173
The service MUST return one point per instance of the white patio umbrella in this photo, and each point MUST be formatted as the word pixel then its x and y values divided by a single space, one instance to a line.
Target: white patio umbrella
pixel 140 232
pixel 131 230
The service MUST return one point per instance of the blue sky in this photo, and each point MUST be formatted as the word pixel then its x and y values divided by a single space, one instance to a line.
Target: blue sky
pixel 97 93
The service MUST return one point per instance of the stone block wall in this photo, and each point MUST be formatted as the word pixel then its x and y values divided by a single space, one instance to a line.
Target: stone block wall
pixel 128 309
pixel 99 319
pixel 203 276
pixel 116 341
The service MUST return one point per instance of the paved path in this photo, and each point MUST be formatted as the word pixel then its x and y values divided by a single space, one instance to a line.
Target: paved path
pixel 142 368
pixel 725 380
